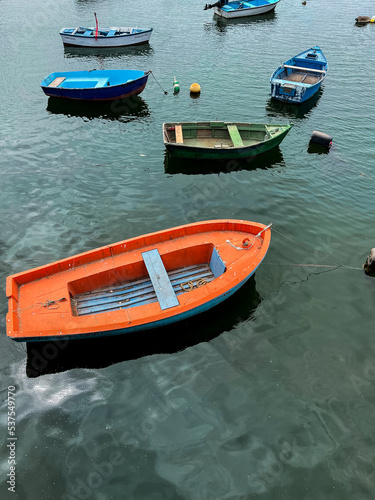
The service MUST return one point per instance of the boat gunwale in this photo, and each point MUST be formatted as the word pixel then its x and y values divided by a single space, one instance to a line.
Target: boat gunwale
pixel 141 239
pixel 268 3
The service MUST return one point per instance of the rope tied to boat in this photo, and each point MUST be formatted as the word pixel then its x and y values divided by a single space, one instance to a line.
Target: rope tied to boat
pixel 52 304
pixel 246 244
pixel 149 72
pixel 191 285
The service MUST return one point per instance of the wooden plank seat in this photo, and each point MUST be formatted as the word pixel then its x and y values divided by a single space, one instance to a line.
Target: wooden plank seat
pixel 302 68
pixel 111 32
pixel 159 279
pixel 268 132
pixel 139 292
pixel 235 136
pixel 57 81
pixel 178 132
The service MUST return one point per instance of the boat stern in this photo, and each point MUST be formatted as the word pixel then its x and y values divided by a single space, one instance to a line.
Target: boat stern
pixel 12 320
pixel 287 91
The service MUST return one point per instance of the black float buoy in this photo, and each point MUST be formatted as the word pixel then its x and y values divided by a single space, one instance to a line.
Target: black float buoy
pixel 321 138
pixel 369 265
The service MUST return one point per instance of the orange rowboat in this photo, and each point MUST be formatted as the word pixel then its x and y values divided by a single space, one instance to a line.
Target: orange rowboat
pixel 139 283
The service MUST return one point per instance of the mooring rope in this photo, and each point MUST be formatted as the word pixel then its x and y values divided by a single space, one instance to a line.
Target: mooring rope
pixel 337 264
pixel 165 92
pixel 298 265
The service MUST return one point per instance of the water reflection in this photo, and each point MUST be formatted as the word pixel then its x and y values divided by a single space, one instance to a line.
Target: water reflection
pixel 279 109
pixel 187 166
pixel 317 149
pixel 104 52
pixel 121 109
pixel 53 357
pixel 222 25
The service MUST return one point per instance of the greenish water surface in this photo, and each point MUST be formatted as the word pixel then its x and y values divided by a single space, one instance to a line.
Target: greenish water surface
pixel 270 396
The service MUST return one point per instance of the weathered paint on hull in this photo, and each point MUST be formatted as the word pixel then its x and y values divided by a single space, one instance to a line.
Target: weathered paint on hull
pixel 118 41
pixel 302 93
pixel 101 94
pixel 255 11
pixel 180 151
pixel 148 326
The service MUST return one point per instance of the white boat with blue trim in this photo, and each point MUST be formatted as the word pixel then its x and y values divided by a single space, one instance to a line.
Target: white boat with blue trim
pixel 104 37
pixel 231 10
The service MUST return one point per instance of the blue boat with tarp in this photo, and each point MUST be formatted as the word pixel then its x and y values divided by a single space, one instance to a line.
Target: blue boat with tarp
pixel 95 85
pixel 300 77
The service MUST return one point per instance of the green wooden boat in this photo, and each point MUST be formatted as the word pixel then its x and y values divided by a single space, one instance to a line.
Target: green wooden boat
pixel 221 140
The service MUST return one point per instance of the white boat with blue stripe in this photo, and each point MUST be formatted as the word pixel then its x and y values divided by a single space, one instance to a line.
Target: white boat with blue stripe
pixel 231 10
pixel 104 37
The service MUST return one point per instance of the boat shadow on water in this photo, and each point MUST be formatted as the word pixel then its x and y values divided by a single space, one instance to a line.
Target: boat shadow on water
pixel 222 24
pixel 57 356
pixel 279 109
pixel 189 166
pixel 121 109
pixel 103 52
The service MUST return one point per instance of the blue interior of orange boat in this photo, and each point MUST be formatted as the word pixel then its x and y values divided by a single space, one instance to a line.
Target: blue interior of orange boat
pixel 137 284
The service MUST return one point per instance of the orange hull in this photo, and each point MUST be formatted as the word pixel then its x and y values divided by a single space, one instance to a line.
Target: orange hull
pixel 139 283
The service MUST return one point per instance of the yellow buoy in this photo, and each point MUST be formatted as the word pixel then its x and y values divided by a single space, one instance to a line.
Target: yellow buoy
pixel 195 88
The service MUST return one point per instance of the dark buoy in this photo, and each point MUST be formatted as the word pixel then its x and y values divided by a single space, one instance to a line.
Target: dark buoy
pixel 369 265
pixel 364 19
pixel 303 3
pixel 321 138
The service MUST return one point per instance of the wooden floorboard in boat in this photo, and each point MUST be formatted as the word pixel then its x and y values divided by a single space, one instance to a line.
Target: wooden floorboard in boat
pixel 302 78
pixel 310 79
pixel 295 77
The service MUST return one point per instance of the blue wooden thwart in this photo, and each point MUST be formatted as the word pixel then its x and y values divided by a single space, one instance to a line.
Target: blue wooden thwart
pixel 160 280
pixel 216 264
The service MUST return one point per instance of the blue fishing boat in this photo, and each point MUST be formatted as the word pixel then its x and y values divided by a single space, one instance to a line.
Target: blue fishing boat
pixel 95 85
pixel 232 10
pixel 300 77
